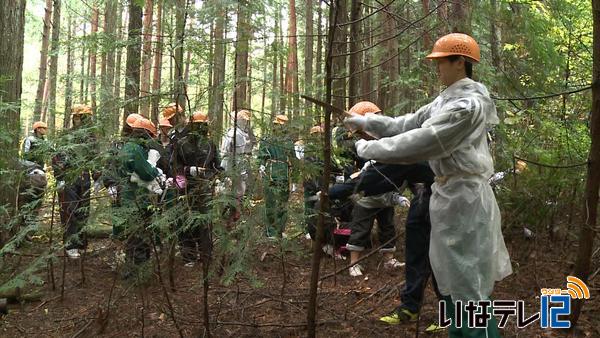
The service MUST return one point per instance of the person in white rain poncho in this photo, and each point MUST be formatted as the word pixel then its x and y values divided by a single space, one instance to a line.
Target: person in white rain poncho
pixel 467 249
pixel 242 143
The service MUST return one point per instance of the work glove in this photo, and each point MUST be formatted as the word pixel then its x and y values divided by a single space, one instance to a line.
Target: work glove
pixel 340 179
pixel 355 123
pixel 400 200
pixel 153 157
pixel 219 187
pixel 366 165
pixel 60 185
pixel 155 186
pixel 496 178
pixel 112 192
pixel 318 196
pixel 196 171
pixel 97 187
pixel 262 170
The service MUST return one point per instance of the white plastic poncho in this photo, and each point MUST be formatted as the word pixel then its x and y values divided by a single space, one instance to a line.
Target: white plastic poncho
pixel 244 142
pixel 243 146
pixel 467 250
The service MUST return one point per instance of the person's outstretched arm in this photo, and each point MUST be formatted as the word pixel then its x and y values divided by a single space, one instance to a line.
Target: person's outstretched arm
pixel 438 136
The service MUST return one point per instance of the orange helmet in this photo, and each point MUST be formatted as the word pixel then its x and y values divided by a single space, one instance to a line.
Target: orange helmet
pixel 316 130
pixel 243 115
pixel 364 107
pixel 165 123
pixel 455 44
pixel 280 119
pixel 132 118
pixel 39 124
pixel 171 110
pixel 520 166
pixel 81 109
pixel 144 123
pixel 200 117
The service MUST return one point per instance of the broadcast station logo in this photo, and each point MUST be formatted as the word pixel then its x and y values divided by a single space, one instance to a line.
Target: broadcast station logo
pixel 555 307
pixel 557 302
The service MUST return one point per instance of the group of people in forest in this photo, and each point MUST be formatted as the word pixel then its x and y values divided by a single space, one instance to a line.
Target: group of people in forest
pixel 440 154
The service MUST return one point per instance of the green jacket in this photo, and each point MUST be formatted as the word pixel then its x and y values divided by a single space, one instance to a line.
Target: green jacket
pixel 133 158
pixel 275 154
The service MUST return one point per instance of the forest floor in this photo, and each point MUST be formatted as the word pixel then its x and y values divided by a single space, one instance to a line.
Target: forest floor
pixel 348 307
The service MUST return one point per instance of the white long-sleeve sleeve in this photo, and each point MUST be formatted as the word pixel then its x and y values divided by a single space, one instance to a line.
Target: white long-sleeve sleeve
pixel 437 137
pixel 381 126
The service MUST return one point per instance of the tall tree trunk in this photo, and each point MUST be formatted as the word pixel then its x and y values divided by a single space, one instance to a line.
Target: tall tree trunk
pixel 318 81
pixel 291 69
pixel 241 55
pixel 388 96
pixel 308 52
pixel 69 78
pixel 119 57
pixel 281 93
pixel 93 56
pixel 211 57
pixel 188 63
pixel 55 43
pixel 311 313
pixel 158 49
pixel 219 59
pixel 340 46
pixel 146 60
pixel 180 19
pixel 426 74
pixel 264 79
pixel 442 18
pixel 39 96
pixel 171 53
pixel 108 64
pixel 249 84
pixel 590 210
pixel 275 78
pixel 496 60
pixel 495 36
pixel 12 26
pixel 355 57
pixel 83 80
pixel 461 16
pixel 134 54
pixel 404 63
pixel 367 75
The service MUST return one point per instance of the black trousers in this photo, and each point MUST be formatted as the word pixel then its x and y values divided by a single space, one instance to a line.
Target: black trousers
pixel 418 269
pixel 75 210
pixel 362 223
pixel 195 238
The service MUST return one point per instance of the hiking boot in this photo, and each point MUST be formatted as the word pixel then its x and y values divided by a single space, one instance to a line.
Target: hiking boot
pixel 392 264
pixel 356 270
pixel 400 315
pixel 434 328
pixel 73 253
pixel 328 249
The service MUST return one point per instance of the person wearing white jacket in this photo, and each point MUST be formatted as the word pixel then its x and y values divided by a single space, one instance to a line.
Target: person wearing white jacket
pixel 240 140
pixel 467 249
